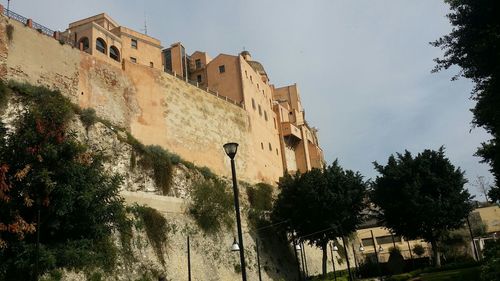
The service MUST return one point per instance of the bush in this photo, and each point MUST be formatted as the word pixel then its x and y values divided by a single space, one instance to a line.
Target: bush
pixel 491 267
pixel 158 159
pixel 211 205
pixel 156 227
pixel 260 196
pixel 396 261
pixel 88 117
pixel 400 277
pixel 418 250
pixel 79 201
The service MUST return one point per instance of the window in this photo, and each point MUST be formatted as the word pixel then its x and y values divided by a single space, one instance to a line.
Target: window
pixel 253 103
pixel 258 87
pixel 222 68
pixel 260 111
pixel 270 147
pixel 277 152
pixel 198 78
pixel 151 64
pixel 133 43
pixel 274 122
pixel 387 239
pixel 132 59
pixel 84 42
pixel 265 115
pixel 197 63
pixel 367 242
pixel 100 45
pixel 114 53
pixel 262 146
pixel 251 80
pixel 246 74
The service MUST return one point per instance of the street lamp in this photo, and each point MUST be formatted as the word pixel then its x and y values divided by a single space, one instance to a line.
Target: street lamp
pixel 235 247
pixel 380 249
pixel 231 149
pixel 361 248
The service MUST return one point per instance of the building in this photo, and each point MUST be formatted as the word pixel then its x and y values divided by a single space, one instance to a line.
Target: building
pixel 101 36
pixel 276 114
pixel 281 140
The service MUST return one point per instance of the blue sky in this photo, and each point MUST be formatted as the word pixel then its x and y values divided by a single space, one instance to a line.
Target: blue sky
pixel 363 67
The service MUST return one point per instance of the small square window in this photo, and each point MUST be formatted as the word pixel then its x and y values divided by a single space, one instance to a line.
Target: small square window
pixel 258 87
pixel 277 152
pixel 262 145
pixel 132 59
pixel 222 68
pixel 197 63
pixel 270 147
pixel 265 115
pixel 133 43
pixel 151 64
pixel 246 74
pixel 253 103
pixel 260 110
pixel 198 78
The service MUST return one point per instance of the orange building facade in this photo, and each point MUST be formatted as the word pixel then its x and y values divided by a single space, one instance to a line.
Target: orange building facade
pixel 281 139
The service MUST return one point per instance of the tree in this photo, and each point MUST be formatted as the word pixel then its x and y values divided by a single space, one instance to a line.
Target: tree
pixel 421 196
pixel 474 46
pixel 50 173
pixel 320 205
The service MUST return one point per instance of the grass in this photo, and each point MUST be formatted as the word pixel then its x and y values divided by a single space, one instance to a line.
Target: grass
pixel 462 274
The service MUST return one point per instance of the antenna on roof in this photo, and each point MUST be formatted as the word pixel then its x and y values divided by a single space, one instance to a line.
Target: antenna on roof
pixel 145 25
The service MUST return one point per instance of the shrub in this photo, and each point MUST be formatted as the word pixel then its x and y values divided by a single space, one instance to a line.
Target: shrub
pixel 206 172
pixel 88 117
pixel 396 261
pixel 260 196
pixel 156 227
pixel 400 277
pixel 157 158
pixel 418 250
pixel 491 267
pixel 211 205
pixel 10 32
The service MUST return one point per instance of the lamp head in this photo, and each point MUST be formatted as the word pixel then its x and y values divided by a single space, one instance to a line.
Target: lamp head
pixel 335 248
pixel 235 247
pixel 380 249
pixel 231 148
pixel 361 248
pixel 297 247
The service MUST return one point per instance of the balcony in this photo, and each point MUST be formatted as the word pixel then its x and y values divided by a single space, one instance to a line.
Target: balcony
pixel 289 129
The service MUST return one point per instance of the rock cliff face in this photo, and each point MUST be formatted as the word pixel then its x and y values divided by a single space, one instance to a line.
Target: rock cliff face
pixel 211 258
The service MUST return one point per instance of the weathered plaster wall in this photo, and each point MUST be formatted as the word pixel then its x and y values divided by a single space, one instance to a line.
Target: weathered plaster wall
pixel 156 107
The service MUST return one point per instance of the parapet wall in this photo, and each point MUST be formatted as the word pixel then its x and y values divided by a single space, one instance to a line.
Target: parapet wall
pixel 156 107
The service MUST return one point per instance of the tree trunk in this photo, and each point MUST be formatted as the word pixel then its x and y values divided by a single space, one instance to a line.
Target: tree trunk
pixel 435 253
pixel 325 257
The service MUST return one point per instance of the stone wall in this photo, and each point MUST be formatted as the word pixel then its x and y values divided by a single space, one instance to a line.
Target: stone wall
pixel 157 108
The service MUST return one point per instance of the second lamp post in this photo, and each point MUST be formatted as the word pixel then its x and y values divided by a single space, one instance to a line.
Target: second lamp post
pixel 231 149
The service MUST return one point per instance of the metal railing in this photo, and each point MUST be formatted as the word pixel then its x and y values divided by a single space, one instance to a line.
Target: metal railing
pixel 15 16
pixel 42 29
pixel 196 84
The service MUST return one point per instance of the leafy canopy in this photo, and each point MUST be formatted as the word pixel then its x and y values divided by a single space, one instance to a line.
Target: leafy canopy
pixel 421 196
pixel 321 205
pixel 474 46
pixel 44 168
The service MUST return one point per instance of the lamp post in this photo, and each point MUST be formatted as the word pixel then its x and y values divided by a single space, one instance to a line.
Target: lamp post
pixel 296 247
pixel 189 259
pixel 231 149
pixel 258 257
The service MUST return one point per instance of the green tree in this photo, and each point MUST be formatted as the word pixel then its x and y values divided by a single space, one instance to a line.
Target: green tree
pixel 49 171
pixel 474 46
pixel 321 205
pixel 421 196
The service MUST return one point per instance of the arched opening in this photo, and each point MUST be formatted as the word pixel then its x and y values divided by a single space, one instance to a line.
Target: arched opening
pixel 114 53
pixel 84 43
pixel 100 45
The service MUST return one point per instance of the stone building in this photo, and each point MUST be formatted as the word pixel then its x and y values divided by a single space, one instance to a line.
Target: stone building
pixel 270 121
pixel 101 36
pixel 276 114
